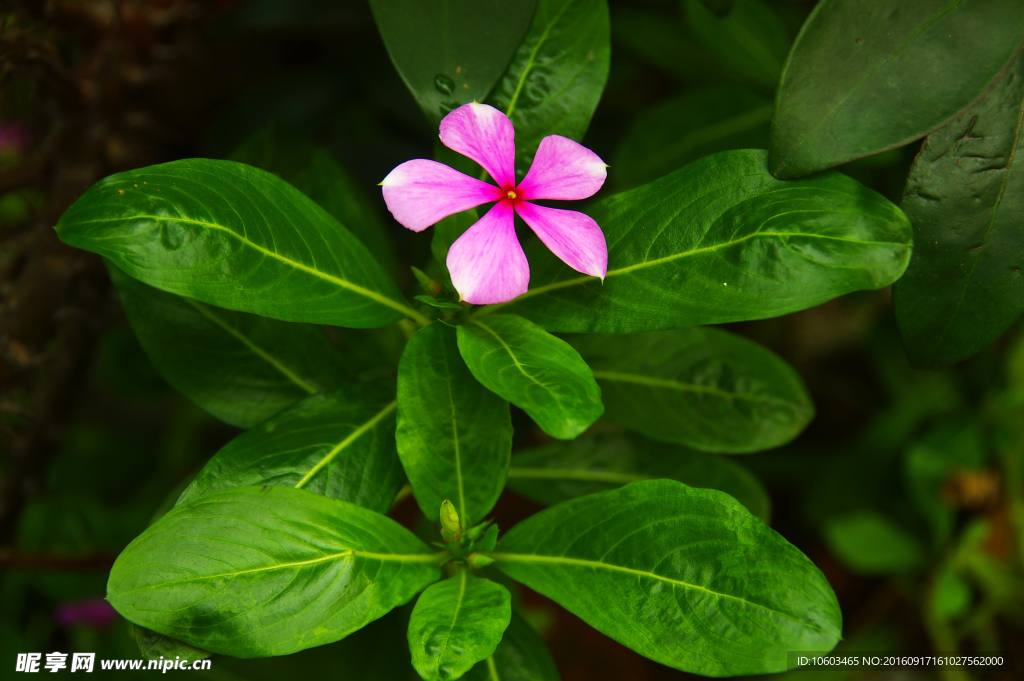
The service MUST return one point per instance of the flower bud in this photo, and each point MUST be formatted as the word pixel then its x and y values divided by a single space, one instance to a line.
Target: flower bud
pixel 450 519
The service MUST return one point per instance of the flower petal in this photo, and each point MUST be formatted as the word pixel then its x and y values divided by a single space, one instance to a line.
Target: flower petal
pixel 563 169
pixel 486 135
pixel 420 193
pixel 574 237
pixel 487 263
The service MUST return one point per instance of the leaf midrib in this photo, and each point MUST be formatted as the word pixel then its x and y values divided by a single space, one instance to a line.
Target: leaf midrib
pixel 594 564
pixel 532 58
pixel 349 439
pixel 355 288
pixel 655 382
pixel 455 616
pixel 583 475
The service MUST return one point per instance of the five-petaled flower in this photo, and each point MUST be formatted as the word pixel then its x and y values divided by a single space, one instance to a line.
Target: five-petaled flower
pixel 487 263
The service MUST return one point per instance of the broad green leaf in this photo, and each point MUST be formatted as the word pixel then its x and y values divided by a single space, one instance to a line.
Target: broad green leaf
pixel 687 127
pixel 451 52
pixel 253 572
pixel 454 435
pixel 318 175
pixel 663 42
pixel 457 623
pixel 700 387
pixel 240 367
pixel 750 40
pixel 237 237
pixel 719 8
pixel 721 240
pixel 865 76
pixel 965 199
pixel 565 470
pixel 154 646
pixel 340 444
pixel 540 374
pixel 521 656
pixel 871 543
pixel 699 584
pixel 557 76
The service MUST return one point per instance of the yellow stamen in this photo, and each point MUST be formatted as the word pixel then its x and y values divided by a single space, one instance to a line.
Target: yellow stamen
pixel 511 194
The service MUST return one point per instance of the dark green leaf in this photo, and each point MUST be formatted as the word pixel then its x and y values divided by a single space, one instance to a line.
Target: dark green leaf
pixel 870 543
pixel 318 175
pixel 701 387
pixel 237 237
pixel 441 304
pixel 699 583
pixel 454 435
pixel 254 573
pixel 451 52
pixel 565 470
pixel 154 646
pixel 751 42
pixel 341 444
pixel 521 656
pixel 694 124
pixel 556 78
pixel 663 43
pixel 457 623
pixel 721 240
pixel 865 76
pixel 718 7
pixel 242 368
pixel 540 374
pixel 965 199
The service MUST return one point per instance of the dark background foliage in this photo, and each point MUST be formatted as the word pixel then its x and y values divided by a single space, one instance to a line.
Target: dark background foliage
pixel 93 443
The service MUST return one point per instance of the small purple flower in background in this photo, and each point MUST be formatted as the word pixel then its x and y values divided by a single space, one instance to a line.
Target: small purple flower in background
pixel 14 139
pixel 95 613
pixel 487 263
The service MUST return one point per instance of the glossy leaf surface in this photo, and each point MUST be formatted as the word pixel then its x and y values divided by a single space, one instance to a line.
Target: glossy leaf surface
pixel 340 444
pixel 557 76
pixel 240 367
pixel 965 199
pixel 457 623
pixel 237 237
pixel 537 372
pixel 701 387
pixel 454 435
pixel 867 76
pixel 559 471
pixel 721 240
pixel 748 39
pixel 253 573
pixel 687 127
pixel 700 584
pixel 521 656
pixel 451 52
pixel 317 174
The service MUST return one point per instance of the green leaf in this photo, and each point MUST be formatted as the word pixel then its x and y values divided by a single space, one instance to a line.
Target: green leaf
pixel 341 444
pixel 965 199
pixel 557 76
pixel 454 435
pixel 254 573
pixel 719 8
pixel 870 543
pixel 451 52
pixel 750 41
pixel 154 646
pixel 457 623
pixel 687 127
pixel 700 387
pixel 441 304
pixel 317 174
pixel 721 240
pixel 565 470
pixel 521 656
pixel 700 584
pixel 865 76
pixel 237 237
pixel 540 374
pixel 242 368
pixel 663 42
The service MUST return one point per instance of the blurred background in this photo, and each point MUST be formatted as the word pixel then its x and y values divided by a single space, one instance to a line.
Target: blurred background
pixel 907 490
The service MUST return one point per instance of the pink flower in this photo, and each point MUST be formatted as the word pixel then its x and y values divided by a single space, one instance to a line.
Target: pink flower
pixel 487 263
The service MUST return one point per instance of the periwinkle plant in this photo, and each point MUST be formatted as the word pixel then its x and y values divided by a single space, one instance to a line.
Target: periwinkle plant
pixel 281 543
